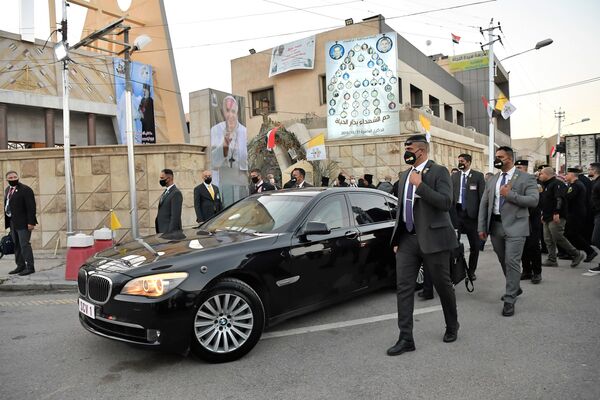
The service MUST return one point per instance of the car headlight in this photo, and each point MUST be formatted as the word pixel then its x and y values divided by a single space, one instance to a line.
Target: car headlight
pixel 154 285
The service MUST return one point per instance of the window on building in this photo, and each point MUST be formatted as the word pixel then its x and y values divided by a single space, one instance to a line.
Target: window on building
pixel 322 90
pixel 263 101
pixel 448 113
pixel 434 104
pixel 416 97
pixel 399 91
pixel 460 118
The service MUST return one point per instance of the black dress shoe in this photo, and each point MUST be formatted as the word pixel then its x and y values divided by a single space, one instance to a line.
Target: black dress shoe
pixel 536 278
pixel 401 346
pixel 424 296
pixel 526 277
pixel 519 292
pixel 451 334
pixel 16 271
pixel 508 310
pixel 26 272
pixel 591 256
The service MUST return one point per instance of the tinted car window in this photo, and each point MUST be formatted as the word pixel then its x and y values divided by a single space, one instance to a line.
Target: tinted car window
pixel 259 214
pixel 332 211
pixel 369 208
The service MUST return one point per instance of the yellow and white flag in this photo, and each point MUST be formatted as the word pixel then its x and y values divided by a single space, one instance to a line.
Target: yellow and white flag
pixel 315 149
pixel 426 125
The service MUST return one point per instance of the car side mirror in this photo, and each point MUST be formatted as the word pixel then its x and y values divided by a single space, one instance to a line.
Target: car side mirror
pixel 315 228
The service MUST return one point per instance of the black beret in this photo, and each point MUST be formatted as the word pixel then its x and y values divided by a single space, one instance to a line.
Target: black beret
pixel 574 170
pixel 524 163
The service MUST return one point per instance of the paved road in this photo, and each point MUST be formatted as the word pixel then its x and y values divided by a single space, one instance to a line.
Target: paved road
pixel 549 350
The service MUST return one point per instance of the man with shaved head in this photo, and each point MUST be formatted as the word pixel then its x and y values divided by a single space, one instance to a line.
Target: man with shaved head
pixel 207 198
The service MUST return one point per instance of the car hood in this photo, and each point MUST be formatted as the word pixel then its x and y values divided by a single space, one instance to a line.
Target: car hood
pixel 160 249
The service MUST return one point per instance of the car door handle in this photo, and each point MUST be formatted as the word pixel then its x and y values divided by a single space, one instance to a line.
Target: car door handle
pixel 351 235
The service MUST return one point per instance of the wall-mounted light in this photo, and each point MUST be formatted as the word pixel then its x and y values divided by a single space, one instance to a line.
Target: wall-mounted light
pixel 252 51
pixel 349 21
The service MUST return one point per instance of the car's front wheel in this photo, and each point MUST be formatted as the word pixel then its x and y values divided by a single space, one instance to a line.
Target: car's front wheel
pixel 228 322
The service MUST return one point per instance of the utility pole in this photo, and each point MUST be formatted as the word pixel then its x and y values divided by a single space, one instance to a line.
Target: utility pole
pixel 561 116
pixel 66 124
pixel 492 38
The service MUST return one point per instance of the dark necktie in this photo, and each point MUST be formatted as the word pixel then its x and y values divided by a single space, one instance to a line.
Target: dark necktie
pixel 162 198
pixel 463 197
pixel 408 206
pixel 502 199
pixel 11 191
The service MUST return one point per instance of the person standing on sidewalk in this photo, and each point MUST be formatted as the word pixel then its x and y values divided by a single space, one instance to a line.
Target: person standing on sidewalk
pixel 578 214
pixel 19 216
pixel 504 215
pixel 532 252
pixel 554 213
pixel 168 218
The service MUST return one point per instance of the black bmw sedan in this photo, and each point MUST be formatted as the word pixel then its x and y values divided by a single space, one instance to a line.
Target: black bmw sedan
pixel 266 258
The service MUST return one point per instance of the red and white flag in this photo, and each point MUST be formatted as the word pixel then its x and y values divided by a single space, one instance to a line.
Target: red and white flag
pixel 488 106
pixel 271 138
pixel 455 38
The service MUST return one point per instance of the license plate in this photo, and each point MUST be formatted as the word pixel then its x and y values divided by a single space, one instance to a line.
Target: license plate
pixel 87 309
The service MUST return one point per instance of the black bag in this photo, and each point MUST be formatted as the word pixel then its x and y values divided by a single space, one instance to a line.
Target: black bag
pixel 7 246
pixel 459 268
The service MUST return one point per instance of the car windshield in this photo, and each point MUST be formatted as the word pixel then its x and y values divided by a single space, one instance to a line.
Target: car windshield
pixel 263 214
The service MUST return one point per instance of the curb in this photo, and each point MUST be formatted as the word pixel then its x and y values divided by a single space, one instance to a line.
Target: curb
pixel 39 287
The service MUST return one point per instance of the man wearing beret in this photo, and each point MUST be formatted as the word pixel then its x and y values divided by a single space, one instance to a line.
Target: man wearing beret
pixel 423 234
pixel 577 213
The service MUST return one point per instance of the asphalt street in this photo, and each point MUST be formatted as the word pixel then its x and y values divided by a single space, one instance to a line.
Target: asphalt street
pixel 550 349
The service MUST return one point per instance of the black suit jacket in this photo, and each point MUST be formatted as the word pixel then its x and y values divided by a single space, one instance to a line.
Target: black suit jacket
pixel 264 186
pixel 22 207
pixel 475 189
pixel 433 199
pixel 168 218
pixel 204 204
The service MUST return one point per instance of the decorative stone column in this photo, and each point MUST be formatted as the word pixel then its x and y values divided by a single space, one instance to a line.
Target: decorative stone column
pixel 49 127
pixel 3 126
pixel 91 129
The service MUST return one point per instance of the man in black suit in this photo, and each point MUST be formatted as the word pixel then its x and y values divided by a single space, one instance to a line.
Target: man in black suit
pixel 258 185
pixel 299 174
pixel 168 218
pixel 19 216
pixel 423 235
pixel 468 186
pixel 207 198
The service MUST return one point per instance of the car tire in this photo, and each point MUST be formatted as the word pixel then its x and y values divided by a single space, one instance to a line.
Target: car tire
pixel 228 322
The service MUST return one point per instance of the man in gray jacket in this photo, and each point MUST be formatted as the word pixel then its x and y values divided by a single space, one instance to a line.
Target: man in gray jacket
pixel 504 214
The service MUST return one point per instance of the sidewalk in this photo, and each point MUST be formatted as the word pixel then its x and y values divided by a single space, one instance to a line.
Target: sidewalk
pixel 49 273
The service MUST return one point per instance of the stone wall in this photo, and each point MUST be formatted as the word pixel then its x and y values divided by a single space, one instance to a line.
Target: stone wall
pixel 101 183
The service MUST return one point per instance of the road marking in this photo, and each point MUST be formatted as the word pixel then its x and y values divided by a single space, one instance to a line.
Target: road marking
pixel 344 324
pixel 37 302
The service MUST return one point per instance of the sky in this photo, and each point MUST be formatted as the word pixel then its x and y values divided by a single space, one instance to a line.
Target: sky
pixel 215 33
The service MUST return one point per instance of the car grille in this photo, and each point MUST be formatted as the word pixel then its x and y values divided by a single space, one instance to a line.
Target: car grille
pixel 99 288
pixel 81 282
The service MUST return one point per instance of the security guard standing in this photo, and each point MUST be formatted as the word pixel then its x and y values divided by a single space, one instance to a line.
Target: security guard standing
pixel 532 252
pixel 577 214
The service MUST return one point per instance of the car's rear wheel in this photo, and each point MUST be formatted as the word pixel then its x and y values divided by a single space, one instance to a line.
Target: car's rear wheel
pixel 228 322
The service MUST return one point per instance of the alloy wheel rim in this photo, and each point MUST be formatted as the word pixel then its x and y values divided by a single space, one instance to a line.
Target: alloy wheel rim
pixel 223 323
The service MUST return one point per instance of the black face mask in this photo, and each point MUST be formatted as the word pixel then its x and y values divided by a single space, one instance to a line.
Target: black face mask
pixel 462 166
pixel 498 163
pixel 254 179
pixel 410 158
pixel 163 182
pixel 208 180
pixel 13 183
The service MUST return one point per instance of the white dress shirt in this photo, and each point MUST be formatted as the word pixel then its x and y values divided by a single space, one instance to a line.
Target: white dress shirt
pixel 465 176
pixel 509 175
pixel 419 168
